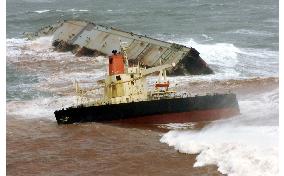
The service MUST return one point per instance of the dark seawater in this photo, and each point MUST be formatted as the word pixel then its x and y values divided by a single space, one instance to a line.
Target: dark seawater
pixel 238 39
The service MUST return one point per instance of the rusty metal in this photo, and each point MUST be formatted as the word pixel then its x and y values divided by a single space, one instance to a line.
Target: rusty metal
pixel 80 36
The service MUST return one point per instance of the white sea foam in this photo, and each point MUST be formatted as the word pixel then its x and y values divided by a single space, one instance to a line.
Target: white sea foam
pixel 231 62
pixel 175 126
pixel 50 79
pixel 236 150
pixel 223 54
pixel 238 146
pixel 72 10
pixel 40 49
pixel 13 46
pixel 16 41
pixel 253 32
pixel 41 43
pixel 39 107
pixel 77 10
pixel 63 81
pixel 18 47
pixel 227 61
pixel 41 11
pixel 241 146
pixel 222 57
pixel 261 53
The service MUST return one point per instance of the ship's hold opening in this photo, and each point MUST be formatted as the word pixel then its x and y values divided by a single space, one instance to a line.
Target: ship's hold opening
pixel 63 46
pixel 86 52
pixel 192 64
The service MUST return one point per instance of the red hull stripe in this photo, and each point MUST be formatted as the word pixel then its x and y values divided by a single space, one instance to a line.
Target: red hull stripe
pixel 183 117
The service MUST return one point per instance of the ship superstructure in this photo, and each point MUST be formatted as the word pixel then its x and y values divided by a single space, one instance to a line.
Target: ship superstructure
pixel 125 83
pixel 127 99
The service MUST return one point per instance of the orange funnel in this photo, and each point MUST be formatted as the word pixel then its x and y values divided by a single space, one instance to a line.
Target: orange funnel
pixel 116 64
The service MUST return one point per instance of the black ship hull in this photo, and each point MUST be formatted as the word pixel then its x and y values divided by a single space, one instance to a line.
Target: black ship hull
pixel 174 110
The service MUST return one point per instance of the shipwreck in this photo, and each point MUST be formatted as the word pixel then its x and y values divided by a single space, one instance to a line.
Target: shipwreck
pixel 88 38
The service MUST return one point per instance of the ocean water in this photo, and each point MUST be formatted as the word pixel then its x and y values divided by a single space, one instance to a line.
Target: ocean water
pixel 239 41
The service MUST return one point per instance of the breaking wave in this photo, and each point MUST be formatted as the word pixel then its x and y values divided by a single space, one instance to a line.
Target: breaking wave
pixel 249 138
pixel 244 145
pixel 55 72
pixel 231 62
pixel 244 150
pixel 222 57
pixel 41 80
pixel 43 107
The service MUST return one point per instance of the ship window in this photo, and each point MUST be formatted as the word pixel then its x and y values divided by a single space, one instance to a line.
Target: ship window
pixel 118 78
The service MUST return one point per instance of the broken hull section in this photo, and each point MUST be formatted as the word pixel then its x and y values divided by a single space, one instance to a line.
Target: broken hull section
pixel 174 110
pixel 88 38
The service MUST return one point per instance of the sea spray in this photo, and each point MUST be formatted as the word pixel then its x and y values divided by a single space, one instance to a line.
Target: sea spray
pixel 244 145
pixel 236 150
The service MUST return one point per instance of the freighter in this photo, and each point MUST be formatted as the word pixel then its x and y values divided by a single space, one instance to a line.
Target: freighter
pixel 127 99
pixel 91 39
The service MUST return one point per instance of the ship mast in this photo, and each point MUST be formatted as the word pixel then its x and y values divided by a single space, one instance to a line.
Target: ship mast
pixel 123 49
pixel 127 84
